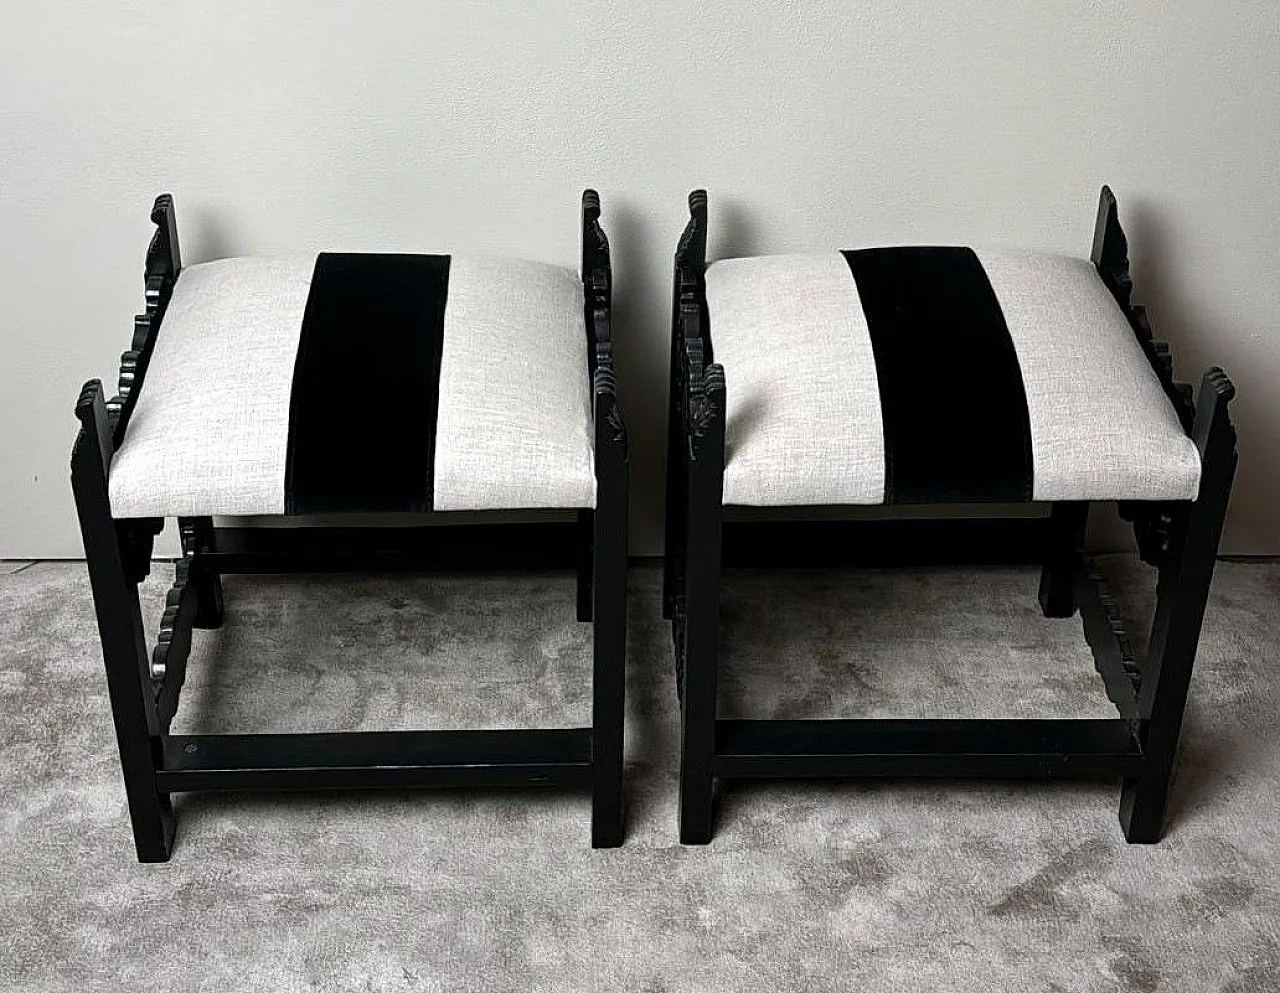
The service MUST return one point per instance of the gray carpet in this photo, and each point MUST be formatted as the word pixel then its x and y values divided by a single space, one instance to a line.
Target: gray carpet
pixel 885 886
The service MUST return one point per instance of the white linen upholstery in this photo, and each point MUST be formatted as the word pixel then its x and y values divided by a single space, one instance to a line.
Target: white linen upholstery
pixel 210 431
pixel 209 434
pixel 804 422
pixel 514 427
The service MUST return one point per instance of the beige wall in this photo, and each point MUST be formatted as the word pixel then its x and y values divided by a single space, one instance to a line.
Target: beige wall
pixel 472 127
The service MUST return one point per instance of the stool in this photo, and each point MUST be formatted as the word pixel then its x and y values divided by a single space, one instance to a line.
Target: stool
pixel 937 376
pixel 340 384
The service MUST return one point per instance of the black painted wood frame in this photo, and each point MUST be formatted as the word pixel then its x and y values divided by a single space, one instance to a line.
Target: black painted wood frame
pixel 1180 539
pixel 144 685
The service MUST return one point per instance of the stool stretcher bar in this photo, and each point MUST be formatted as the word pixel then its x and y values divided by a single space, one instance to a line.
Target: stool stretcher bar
pixel 817 543
pixel 1084 749
pixel 375 759
pixel 463 547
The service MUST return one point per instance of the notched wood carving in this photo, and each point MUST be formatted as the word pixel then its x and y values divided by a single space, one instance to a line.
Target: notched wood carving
pixel 1155 524
pixel 1115 621
pixel 1111 248
pixel 605 388
pixel 1220 384
pixel 1110 257
pixel 701 383
pixel 194 600
pixel 174 639
pixel 595 243
pixel 597 292
pixel 163 263
pixel 90 395
pixel 1213 426
pixel 691 251
pixel 173 647
pixel 1112 650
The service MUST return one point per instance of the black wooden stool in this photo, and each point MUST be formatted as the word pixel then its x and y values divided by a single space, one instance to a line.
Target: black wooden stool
pixel 929 376
pixel 343 384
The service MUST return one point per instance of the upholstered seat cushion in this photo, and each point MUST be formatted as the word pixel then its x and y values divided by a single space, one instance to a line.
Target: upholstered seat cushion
pixel 919 375
pixel 362 383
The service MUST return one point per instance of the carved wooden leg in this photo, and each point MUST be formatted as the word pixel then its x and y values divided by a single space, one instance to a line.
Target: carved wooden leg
pixel 609 592
pixel 1183 589
pixel 702 619
pixel 1063 544
pixel 197 534
pixel 124 649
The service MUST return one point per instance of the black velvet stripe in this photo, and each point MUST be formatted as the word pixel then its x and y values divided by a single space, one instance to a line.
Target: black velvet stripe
pixel 956 427
pixel 366 385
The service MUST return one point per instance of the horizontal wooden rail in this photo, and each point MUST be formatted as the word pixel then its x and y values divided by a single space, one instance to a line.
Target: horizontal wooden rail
pixel 551 545
pixel 1086 749
pixel 851 543
pixel 374 760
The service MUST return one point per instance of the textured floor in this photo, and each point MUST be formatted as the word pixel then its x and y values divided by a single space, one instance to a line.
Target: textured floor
pixel 889 886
